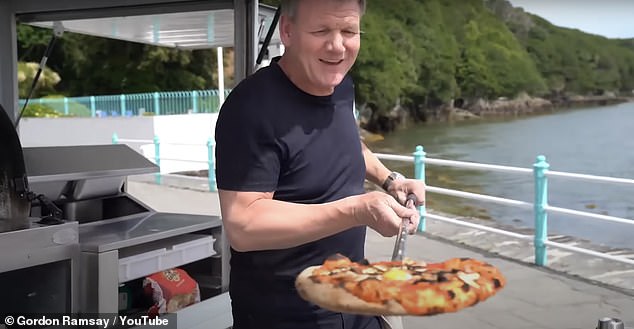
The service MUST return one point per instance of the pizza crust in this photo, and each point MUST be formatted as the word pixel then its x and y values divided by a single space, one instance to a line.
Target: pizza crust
pixel 444 287
pixel 337 299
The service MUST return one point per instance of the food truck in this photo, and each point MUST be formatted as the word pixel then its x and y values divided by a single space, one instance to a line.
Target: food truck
pixel 72 239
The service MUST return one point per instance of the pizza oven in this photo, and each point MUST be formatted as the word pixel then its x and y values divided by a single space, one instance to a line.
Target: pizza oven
pixel 76 241
pixel 14 204
pixel 39 270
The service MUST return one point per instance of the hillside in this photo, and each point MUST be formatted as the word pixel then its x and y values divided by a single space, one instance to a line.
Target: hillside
pixel 423 57
pixel 472 50
pixel 430 56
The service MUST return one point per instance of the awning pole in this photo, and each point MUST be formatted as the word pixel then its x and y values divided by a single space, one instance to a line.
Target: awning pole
pixel 221 77
pixel 8 60
pixel 245 38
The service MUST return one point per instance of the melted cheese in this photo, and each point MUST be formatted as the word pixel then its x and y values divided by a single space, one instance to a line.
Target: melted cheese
pixel 469 278
pixel 397 274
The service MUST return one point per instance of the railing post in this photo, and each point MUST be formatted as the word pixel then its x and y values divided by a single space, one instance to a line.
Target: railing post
pixel 157 158
pixel 211 174
pixel 66 105
pixel 115 138
pixel 419 173
pixel 215 100
pixel 122 107
pixel 93 107
pixel 157 105
pixel 539 208
pixel 195 101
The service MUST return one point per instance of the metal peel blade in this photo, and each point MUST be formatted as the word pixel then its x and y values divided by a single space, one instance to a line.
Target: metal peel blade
pixel 401 238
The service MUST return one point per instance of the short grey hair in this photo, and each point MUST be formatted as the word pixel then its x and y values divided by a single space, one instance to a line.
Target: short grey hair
pixel 289 7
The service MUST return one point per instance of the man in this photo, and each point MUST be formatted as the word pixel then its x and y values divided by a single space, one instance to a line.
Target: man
pixel 291 168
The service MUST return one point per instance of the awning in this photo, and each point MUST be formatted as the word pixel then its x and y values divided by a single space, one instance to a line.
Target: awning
pixel 183 30
pixel 186 24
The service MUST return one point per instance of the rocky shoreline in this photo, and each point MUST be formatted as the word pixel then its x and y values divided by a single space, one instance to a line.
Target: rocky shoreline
pixel 461 110
pixel 525 104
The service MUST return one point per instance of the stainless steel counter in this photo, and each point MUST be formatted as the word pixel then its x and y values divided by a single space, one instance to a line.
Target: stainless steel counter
pixel 37 245
pixel 119 240
pixel 64 163
pixel 39 269
pixel 104 242
pixel 142 228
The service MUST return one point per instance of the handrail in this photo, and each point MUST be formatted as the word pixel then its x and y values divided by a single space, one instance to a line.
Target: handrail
pixel 540 206
pixel 154 103
pixel 479 227
pixel 590 177
pixel 530 237
pixel 158 143
pixel 453 163
pixel 128 140
pixel 590 215
pixel 499 168
pixel 480 197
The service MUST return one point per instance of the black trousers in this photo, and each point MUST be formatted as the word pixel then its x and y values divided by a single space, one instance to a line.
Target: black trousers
pixel 254 317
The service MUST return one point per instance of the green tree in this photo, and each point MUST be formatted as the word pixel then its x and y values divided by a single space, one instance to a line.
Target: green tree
pixel 90 65
pixel 380 74
pixel 45 84
pixel 417 53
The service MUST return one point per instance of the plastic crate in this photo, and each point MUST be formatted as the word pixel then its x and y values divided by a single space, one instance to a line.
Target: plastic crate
pixel 181 251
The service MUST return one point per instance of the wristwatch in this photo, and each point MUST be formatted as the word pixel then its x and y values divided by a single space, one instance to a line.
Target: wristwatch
pixel 390 178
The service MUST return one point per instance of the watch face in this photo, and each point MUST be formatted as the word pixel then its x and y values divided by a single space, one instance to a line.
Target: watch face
pixel 390 178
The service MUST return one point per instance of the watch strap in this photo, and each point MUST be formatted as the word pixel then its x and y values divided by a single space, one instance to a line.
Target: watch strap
pixel 391 178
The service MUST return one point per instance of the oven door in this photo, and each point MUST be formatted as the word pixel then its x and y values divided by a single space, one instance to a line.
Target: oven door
pixel 14 206
pixel 39 270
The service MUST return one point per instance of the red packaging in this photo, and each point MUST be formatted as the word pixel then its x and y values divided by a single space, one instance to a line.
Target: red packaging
pixel 171 290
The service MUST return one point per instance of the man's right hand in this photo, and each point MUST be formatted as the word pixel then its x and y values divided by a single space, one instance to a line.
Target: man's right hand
pixel 382 213
pixel 255 221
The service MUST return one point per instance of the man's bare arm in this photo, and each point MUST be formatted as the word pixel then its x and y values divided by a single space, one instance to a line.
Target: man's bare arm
pixel 254 221
pixel 375 171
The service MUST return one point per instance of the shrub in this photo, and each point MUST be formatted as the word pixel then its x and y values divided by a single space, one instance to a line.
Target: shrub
pixel 40 111
pixel 56 102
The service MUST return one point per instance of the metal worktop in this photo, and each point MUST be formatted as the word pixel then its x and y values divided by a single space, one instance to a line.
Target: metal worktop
pixel 37 245
pixel 142 228
pixel 64 163
pixel 40 268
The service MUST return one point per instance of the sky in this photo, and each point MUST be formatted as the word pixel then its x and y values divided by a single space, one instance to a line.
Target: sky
pixel 609 18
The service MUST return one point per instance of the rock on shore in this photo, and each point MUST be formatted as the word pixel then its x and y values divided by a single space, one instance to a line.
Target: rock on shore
pixel 460 110
pixel 523 104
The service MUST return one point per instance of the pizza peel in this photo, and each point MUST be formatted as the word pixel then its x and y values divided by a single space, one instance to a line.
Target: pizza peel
pixel 394 321
pixel 339 288
pixel 401 238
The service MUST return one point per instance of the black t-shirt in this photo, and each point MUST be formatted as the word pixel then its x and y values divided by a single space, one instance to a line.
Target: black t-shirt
pixel 273 137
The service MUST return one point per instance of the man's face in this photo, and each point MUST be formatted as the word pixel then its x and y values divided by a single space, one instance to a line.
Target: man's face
pixel 323 39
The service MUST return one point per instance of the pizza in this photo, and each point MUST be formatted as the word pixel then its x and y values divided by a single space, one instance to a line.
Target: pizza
pixel 405 287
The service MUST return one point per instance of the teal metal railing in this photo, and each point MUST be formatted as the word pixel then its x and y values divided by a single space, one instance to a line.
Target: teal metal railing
pixel 156 103
pixel 540 172
pixel 160 156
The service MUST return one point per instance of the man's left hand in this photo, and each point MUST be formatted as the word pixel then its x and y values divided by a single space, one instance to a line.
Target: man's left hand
pixel 400 188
